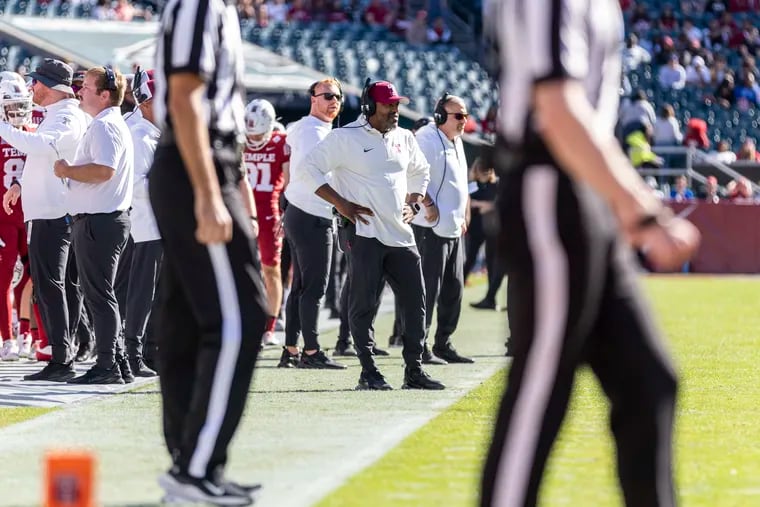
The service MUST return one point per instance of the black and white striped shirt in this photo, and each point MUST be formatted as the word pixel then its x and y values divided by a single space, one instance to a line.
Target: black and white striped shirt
pixel 541 40
pixel 203 37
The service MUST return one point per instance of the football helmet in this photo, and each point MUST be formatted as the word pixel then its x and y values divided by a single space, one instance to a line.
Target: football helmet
pixel 15 100
pixel 259 123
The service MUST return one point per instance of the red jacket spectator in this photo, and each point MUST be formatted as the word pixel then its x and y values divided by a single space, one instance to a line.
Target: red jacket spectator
pixel 376 13
pixel 696 134
pixel 298 12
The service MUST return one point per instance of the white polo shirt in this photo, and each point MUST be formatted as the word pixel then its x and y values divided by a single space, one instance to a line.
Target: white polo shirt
pixel 107 142
pixel 448 181
pixel 303 136
pixel 374 170
pixel 42 192
pixel 133 117
pixel 145 139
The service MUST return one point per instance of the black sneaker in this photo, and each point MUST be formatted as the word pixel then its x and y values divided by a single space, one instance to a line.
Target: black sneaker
pixel 139 368
pixel 125 370
pixel 54 372
pixel 319 361
pixel 344 348
pixel 98 375
pixel 372 381
pixel 395 341
pixel 450 355
pixel 485 304
pixel 377 351
pixel 183 488
pixel 416 378
pixel 430 358
pixel 85 352
pixel 288 360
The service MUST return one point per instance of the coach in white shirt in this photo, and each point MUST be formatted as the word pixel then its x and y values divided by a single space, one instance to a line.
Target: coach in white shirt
pixel 308 224
pixel 99 197
pixel 440 240
pixel 43 196
pixel 379 176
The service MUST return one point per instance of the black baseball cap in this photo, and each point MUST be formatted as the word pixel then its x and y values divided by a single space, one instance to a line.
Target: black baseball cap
pixel 54 74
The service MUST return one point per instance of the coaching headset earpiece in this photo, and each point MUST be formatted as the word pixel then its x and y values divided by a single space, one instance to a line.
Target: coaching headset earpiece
pixel 313 92
pixel 368 105
pixel 440 115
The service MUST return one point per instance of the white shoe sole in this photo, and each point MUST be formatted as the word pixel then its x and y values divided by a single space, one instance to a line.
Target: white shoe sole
pixel 176 492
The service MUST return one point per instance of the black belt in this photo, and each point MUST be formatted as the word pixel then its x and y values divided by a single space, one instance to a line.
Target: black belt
pixel 79 216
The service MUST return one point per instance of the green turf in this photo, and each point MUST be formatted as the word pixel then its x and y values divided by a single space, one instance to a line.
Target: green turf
pixel 711 326
pixel 14 415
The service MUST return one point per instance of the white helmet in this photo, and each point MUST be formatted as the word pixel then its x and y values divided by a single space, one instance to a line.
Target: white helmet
pixel 15 100
pixel 259 120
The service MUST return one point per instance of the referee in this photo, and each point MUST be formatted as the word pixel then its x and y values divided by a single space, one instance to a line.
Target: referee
pixel 213 305
pixel 570 205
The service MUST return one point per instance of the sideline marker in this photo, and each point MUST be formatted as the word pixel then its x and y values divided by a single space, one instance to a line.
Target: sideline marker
pixel 69 479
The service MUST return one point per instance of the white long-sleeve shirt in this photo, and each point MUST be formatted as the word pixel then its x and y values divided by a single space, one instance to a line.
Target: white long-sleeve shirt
pixel 373 170
pixel 448 187
pixel 303 136
pixel 42 193
pixel 145 139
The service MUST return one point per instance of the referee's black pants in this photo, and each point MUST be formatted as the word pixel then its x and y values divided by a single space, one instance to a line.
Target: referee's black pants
pixel 574 299
pixel 212 314
pixel 443 269
pixel 372 264
pixel 49 243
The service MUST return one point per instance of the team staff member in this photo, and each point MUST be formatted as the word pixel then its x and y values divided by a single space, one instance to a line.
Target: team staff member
pixel 147 251
pixel 308 224
pixel 568 203
pixel 439 234
pixel 100 194
pixel 43 203
pixel 267 161
pixel 213 304
pixel 379 176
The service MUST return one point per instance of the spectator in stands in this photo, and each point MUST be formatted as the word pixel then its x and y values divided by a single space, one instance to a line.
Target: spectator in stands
pixel 102 10
pixel 634 55
pixel 673 75
pixel 664 50
pixel 124 11
pixel 723 153
pixel 692 32
pixel 696 134
pixel 416 34
pixel 724 95
pixel 716 37
pixel 246 9
pixel 698 74
pixel 640 20
pixel 298 12
pixel 439 33
pixel 747 93
pixel 711 192
pixel 651 181
pixel 716 7
pixel 640 150
pixel 681 191
pixel 262 15
pixel 488 124
pixel 668 21
pixel 637 113
pixel 376 13
pixel 667 131
pixel 741 191
pixel 748 151
pixel 718 70
pixel 336 13
pixel 278 11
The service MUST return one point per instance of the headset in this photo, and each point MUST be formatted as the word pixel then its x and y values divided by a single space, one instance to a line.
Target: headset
pixel 368 104
pixel 440 115
pixel 110 78
pixel 313 92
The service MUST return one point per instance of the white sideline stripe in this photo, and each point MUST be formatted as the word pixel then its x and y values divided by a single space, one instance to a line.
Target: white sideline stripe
pixel 539 194
pixel 225 364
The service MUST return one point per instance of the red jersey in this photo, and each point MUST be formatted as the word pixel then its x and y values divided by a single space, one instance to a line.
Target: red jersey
pixel 11 166
pixel 264 168
pixel 38 114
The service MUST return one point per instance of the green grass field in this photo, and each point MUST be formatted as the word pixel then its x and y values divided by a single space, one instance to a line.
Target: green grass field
pixel 711 325
pixel 14 415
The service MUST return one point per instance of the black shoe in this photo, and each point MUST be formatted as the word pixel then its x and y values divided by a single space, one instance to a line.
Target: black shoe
pixel 98 375
pixel 450 355
pixel 509 352
pixel 430 358
pixel 84 352
pixel 395 341
pixel 139 368
pixel 485 304
pixel 319 361
pixel 183 488
pixel 149 363
pixel 344 348
pixel 125 370
pixel 54 372
pixel 288 360
pixel 372 381
pixel 377 351
pixel 416 378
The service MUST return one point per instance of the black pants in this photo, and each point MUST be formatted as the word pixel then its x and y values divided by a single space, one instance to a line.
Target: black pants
pixel 573 299
pixel 311 244
pixel 476 236
pixel 212 315
pixel 79 318
pixel 48 253
pixel 442 267
pixel 143 276
pixel 372 263
pixel 121 283
pixel 98 240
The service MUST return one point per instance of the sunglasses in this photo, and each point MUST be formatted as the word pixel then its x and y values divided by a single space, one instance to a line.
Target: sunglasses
pixel 459 116
pixel 330 96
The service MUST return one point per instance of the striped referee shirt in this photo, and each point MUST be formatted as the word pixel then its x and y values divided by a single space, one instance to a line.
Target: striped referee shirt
pixel 202 37
pixel 543 40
